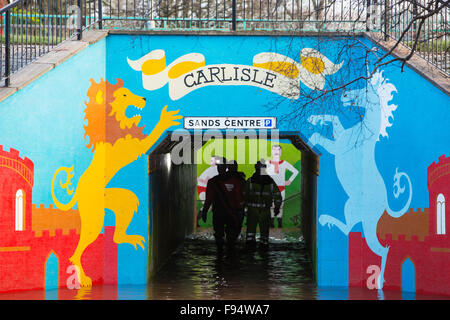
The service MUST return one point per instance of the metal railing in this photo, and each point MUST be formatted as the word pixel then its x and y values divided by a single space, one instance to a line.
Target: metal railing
pixel 30 28
pixel 234 15
pixel 430 37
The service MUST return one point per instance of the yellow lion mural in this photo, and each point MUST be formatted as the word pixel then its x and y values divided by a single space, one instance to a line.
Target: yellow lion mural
pixel 116 141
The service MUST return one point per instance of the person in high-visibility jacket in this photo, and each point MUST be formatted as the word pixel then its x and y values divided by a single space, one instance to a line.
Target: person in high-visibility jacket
pixel 260 192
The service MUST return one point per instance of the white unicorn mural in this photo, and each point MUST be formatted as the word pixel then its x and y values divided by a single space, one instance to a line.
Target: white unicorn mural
pixel 354 151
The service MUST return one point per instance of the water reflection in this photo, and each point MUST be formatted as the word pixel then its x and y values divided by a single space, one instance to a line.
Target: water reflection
pixel 197 272
pixel 83 293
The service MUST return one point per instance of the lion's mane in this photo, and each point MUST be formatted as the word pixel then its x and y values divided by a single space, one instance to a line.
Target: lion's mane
pixel 102 125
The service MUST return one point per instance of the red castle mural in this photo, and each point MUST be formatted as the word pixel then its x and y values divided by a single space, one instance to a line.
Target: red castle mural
pixel 31 233
pixel 420 237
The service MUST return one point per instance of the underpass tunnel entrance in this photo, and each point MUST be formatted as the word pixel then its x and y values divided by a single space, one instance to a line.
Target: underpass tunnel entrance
pixel 172 203
pixel 177 187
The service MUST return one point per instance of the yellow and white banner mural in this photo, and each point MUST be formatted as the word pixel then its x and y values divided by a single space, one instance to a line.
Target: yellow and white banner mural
pixel 270 71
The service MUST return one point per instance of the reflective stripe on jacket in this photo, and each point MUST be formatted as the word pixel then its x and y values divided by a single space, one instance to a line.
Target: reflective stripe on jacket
pixel 261 195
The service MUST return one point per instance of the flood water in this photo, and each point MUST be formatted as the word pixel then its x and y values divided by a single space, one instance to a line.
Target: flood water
pixel 196 272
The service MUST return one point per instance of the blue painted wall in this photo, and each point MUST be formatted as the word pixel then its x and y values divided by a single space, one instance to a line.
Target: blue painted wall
pixel 44 120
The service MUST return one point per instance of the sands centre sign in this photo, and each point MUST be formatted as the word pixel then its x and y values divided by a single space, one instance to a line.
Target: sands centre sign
pixel 200 123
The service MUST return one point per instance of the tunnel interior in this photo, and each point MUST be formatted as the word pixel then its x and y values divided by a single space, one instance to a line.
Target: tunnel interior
pixel 174 203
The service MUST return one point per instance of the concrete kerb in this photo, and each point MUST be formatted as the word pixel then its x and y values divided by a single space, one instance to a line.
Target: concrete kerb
pixel 70 47
pixel 418 64
pixel 228 33
pixel 55 57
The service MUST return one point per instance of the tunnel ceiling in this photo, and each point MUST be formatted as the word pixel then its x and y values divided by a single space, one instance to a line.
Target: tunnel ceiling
pixel 167 144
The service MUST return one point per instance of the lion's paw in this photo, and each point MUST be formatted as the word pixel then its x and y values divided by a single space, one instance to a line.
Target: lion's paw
pixel 85 281
pixel 168 118
pixel 134 240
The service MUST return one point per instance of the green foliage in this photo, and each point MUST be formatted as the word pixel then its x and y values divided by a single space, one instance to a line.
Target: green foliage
pixel 32 39
pixel 21 16
pixel 438 46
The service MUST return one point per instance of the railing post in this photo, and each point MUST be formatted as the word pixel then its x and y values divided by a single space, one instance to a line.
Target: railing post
pixel 7 47
pixel 368 15
pixel 100 14
pixel 80 20
pixel 233 22
pixel 386 17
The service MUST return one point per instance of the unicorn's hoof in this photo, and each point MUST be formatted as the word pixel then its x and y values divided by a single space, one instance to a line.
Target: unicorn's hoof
pixel 323 220
pixel 312 119
pixel 380 281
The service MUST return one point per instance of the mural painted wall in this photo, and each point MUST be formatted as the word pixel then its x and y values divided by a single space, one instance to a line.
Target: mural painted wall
pixel 42 129
pixel 375 144
pixel 418 240
pixel 116 141
pixel 81 147
pixel 94 141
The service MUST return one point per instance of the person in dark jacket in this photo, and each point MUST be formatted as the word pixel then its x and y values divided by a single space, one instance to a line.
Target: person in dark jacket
pixel 260 192
pixel 224 193
pixel 233 171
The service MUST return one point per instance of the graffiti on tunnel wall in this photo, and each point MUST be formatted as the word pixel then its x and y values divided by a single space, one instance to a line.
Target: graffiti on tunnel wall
pixel 44 200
